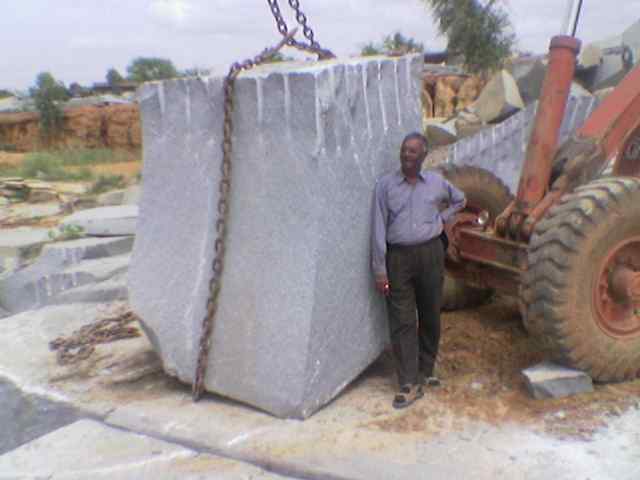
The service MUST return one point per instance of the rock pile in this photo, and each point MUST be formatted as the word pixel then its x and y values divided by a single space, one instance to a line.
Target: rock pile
pixel 459 109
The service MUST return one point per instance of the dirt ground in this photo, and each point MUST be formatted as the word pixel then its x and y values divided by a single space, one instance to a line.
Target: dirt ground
pixel 482 354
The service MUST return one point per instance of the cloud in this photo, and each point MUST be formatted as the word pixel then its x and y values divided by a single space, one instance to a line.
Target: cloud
pixel 177 13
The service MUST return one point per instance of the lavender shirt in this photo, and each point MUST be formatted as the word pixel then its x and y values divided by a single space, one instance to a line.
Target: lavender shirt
pixel 405 214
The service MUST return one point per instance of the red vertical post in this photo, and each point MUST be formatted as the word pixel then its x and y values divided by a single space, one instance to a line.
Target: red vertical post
pixel 536 171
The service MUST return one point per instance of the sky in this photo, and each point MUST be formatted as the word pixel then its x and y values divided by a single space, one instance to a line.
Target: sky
pixel 79 40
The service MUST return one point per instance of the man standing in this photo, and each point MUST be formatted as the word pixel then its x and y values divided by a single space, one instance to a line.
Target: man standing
pixel 408 262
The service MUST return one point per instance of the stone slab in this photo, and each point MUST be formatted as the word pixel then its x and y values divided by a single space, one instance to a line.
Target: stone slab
pixel 110 290
pixel 440 134
pixel 18 245
pixel 55 271
pixel 529 77
pixel 499 99
pixel 298 316
pixel 110 199
pixel 106 221
pixel 89 449
pixel 501 148
pixel 548 380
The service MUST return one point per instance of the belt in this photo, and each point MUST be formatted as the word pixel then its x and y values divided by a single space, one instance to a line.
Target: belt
pixel 397 246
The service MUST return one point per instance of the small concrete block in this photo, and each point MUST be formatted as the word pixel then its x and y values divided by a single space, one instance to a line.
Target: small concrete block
pixel 549 380
pixel 106 221
pixel 298 317
pixel 499 99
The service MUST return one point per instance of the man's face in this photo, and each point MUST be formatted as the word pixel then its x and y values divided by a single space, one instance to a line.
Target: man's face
pixel 412 155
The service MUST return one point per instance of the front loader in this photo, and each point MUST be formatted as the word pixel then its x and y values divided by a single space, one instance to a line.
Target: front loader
pixel 568 245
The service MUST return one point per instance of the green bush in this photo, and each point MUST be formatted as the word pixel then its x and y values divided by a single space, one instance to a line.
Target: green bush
pixel 50 167
pixel 104 183
pixel 95 156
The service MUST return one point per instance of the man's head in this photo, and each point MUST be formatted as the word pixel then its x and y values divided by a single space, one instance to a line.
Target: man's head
pixel 412 153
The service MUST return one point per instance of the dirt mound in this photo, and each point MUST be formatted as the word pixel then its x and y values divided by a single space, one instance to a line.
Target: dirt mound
pixel 109 126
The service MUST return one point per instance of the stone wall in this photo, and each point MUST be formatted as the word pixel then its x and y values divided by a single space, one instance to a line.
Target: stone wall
pixel 111 126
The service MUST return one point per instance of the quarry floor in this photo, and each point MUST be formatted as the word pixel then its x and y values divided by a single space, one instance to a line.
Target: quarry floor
pixel 480 424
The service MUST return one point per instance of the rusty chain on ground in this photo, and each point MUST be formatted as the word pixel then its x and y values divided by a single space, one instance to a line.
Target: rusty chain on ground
pixel 81 343
pixel 224 188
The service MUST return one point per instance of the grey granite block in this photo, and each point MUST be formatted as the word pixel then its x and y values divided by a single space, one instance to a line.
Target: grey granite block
pixel 548 380
pixel 55 271
pixel 19 245
pixel 110 290
pixel 501 149
pixel 298 317
pixel 105 221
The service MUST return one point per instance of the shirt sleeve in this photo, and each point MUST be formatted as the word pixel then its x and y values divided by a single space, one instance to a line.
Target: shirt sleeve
pixel 380 214
pixel 457 201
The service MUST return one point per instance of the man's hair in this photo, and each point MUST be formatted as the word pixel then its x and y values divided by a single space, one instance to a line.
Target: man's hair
pixel 417 136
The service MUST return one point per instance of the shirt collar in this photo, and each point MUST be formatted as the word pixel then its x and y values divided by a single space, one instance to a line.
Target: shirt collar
pixel 401 178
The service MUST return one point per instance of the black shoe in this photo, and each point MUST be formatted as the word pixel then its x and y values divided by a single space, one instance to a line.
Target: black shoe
pixel 407 395
pixel 431 382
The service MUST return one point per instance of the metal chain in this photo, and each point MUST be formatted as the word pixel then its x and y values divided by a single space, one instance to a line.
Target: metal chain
pixel 313 46
pixel 82 343
pixel 224 189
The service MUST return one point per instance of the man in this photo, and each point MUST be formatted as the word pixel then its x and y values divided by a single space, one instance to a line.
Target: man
pixel 408 262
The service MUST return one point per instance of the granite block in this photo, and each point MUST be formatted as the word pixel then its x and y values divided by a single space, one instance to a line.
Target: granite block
pixel 298 317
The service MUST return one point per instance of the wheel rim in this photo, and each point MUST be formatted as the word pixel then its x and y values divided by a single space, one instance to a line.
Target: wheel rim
pixel 616 293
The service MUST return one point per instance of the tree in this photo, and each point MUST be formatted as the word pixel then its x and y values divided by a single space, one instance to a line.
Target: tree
pixel 145 69
pixel 480 33
pixel 113 77
pixel 5 93
pixel 370 49
pixel 398 43
pixel 393 44
pixel 46 92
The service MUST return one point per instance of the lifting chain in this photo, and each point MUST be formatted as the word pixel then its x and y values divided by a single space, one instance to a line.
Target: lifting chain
pixel 313 46
pixel 81 343
pixel 224 190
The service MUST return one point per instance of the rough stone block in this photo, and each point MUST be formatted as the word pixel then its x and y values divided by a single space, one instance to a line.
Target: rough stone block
pixel 298 318
pixel 499 99
pixel 106 221
pixel 440 134
pixel 548 380
pixel 18 245
pixel 57 270
pixel 501 148
pixel 529 77
pixel 110 290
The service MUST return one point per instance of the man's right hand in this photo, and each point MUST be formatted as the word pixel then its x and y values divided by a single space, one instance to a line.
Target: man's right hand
pixel 382 285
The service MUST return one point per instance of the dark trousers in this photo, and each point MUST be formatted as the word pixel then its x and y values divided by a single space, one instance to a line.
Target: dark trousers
pixel 416 276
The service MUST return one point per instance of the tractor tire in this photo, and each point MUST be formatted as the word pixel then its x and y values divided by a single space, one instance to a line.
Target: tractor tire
pixel 484 191
pixel 566 296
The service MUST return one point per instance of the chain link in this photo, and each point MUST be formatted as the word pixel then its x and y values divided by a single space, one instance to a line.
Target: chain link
pixel 224 189
pixel 313 46
pixel 82 343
